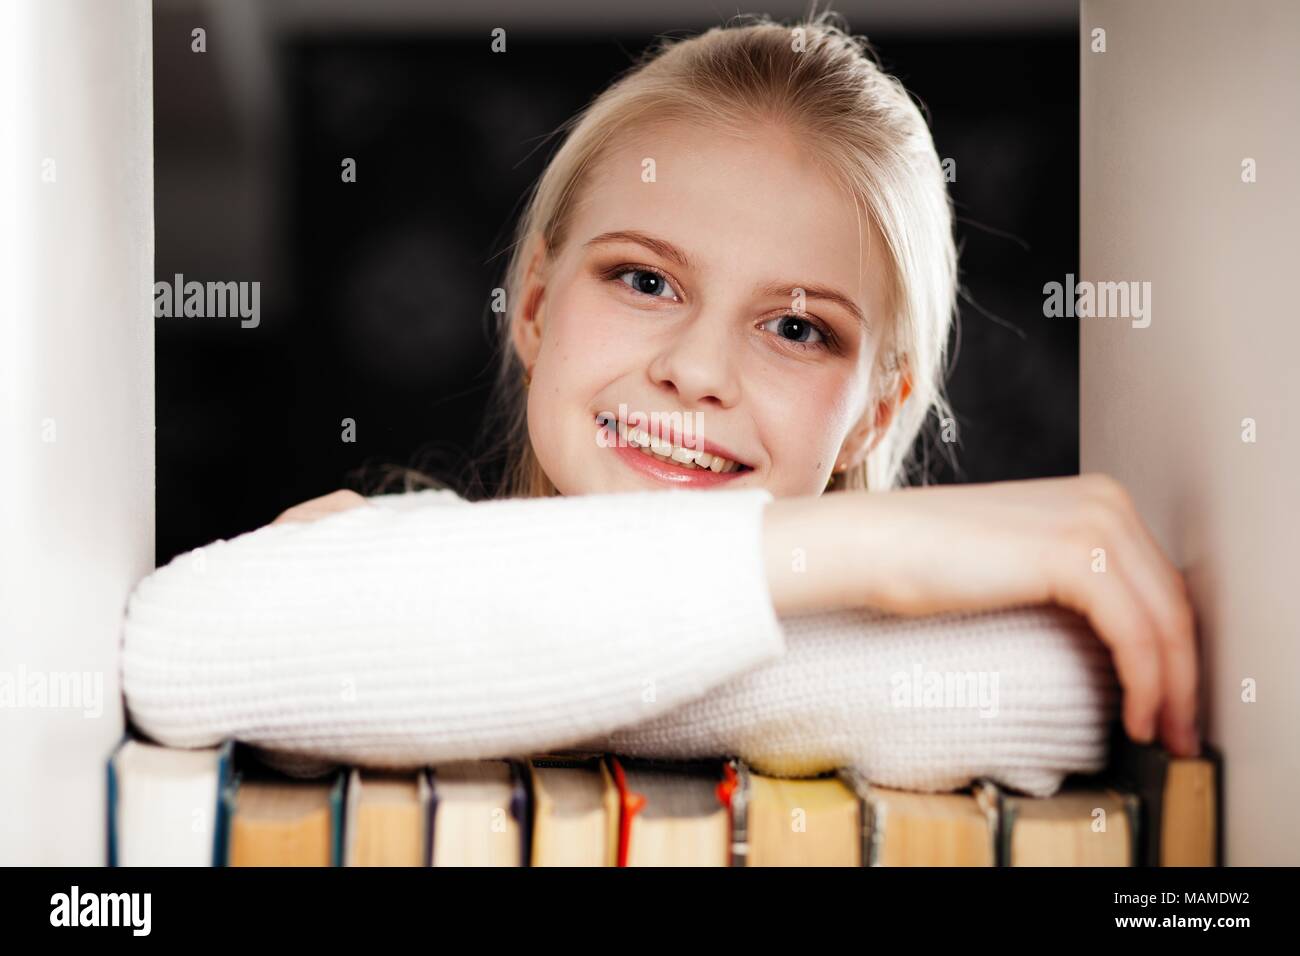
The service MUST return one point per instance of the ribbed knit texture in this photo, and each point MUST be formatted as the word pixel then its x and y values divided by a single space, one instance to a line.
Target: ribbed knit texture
pixel 427 628
pixel 1022 695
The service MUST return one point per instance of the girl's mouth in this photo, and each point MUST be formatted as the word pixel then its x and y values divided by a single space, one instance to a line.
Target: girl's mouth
pixel 663 460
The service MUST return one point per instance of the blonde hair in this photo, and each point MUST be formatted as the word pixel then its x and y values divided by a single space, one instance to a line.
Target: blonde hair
pixel 827 85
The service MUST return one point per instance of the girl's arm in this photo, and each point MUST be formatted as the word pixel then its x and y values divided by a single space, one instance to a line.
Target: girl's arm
pixel 403 635
pixel 1024 696
pixel 1077 542
pixel 383 637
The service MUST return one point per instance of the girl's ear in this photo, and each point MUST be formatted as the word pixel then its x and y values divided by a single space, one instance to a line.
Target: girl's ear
pixel 888 406
pixel 527 313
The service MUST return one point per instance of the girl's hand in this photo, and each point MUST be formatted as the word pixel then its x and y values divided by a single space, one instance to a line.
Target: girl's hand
pixel 1075 541
pixel 320 507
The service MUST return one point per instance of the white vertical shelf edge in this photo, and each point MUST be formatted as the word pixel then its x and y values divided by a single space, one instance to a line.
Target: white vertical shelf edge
pixel 1185 92
pixel 76 405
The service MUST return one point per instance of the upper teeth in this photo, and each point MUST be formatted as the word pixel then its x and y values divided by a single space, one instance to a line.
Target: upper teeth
pixel 686 457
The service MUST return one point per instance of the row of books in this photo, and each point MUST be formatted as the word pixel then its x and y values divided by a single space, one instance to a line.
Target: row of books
pixel 221 807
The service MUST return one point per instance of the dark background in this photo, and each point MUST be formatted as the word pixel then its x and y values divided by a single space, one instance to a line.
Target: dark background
pixel 374 294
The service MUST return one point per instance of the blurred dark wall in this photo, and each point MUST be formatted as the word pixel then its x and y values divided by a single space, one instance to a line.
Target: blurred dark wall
pixel 374 294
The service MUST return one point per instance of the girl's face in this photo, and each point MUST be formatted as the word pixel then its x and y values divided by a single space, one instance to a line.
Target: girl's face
pixel 720 294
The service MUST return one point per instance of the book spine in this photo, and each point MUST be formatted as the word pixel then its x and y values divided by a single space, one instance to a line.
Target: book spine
pixel 521 808
pixel 111 848
pixel 740 794
pixel 221 819
pixel 430 778
pixel 229 802
pixel 337 795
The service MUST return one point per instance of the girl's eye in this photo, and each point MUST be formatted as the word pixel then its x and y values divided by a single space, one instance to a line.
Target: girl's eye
pixel 647 282
pixel 797 330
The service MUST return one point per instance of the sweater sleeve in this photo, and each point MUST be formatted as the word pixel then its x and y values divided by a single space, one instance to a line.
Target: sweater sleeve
pixel 1023 695
pixel 401 633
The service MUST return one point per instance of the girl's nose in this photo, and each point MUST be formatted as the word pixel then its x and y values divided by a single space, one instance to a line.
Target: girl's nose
pixel 698 364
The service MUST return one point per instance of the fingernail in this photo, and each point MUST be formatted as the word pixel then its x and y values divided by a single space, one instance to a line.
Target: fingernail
pixel 1191 740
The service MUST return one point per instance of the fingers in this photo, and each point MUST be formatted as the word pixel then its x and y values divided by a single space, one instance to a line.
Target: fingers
pixel 1140 607
pixel 1178 644
pixel 1161 589
pixel 1173 646
pixel 1175 635
pixel 1122 623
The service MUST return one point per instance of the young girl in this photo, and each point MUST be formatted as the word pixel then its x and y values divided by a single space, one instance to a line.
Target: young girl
pixel 730 292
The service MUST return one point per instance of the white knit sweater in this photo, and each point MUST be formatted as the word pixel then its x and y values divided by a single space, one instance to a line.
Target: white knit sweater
pixel 429 628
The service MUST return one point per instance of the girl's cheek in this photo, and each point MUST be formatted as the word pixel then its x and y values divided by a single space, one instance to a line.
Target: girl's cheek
pixel 598 326
pixel 576 313
pixel 803 422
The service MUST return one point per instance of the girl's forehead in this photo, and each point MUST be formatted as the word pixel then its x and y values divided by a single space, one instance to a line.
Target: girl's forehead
pixel 744 204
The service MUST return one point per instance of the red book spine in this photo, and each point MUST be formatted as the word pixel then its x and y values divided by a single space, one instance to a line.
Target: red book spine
pixel 629 805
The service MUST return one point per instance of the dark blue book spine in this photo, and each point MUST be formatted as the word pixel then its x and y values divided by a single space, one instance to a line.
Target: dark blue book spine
pixel 110 802
pixel 521 808
pixel 221 821
pixel 337 802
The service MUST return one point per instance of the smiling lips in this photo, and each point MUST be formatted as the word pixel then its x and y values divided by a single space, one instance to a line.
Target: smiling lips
pixel 666 460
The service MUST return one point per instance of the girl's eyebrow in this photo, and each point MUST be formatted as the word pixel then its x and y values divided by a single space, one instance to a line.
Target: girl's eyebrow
pixel 670 252
pixel 658 246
